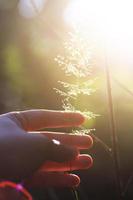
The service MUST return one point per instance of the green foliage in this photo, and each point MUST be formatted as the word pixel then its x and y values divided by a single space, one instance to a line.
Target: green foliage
pixel 13 61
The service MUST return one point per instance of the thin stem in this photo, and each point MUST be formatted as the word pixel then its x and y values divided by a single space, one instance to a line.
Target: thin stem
pixel 130 179
pixel 103 144
pixel 75 194
pixel 115 149
pixel 121 85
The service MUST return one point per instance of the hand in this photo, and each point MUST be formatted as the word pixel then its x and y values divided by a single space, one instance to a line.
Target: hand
pixel 24 151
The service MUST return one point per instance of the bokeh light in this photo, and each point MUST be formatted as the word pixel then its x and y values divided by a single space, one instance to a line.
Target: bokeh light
pixel 30 8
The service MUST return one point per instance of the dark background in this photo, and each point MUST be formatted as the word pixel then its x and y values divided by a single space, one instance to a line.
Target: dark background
pixel 28 74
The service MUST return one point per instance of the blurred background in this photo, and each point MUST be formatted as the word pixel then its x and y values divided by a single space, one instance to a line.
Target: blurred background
pixel 31 36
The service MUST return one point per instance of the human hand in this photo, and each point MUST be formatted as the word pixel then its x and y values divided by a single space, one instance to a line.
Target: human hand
pixel 24 151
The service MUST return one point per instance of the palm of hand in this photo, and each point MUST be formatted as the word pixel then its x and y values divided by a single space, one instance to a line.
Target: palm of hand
pixel 25 153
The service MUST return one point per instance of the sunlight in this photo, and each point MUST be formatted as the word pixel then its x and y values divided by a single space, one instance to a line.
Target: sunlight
pixel 27 7
pixel 110 19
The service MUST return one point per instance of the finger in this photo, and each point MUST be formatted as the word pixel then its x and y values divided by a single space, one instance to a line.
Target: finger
pixel 37 119
pixel 30 152
pixel 78 141
pixel 43 180
pixel 40 147
pixel 81 162
pixel 61 153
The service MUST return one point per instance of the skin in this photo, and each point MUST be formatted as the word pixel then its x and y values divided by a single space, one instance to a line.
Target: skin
pixel 35 157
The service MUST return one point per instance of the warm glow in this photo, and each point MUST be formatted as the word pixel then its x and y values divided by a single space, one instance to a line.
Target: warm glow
pixel 30 8
pixel 110 19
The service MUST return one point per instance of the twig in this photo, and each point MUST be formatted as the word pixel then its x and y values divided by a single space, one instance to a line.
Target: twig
pixel 75 194
pixel 105 146
pixel 113 131
pixel 127 184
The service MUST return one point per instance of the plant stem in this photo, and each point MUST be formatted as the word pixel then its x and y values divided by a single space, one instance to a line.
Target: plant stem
pixel 115 149
pixel 75 194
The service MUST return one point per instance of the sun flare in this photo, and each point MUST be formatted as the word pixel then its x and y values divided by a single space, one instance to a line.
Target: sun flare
pixel 110 19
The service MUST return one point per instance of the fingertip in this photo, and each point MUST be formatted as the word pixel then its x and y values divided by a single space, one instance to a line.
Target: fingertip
pixel 86 161
pixel 88 141
pixel 57 180
pixel 80 118
pixel 91 161
pixel 74 181
pixel 74 118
